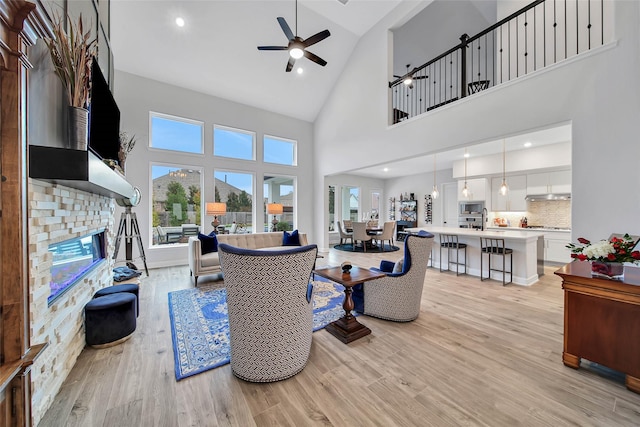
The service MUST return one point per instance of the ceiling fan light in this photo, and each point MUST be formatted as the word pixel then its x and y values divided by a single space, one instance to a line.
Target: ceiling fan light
pixel 296 52
pixel 407 81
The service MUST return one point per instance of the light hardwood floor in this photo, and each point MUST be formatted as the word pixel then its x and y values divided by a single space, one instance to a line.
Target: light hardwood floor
pixel 478 354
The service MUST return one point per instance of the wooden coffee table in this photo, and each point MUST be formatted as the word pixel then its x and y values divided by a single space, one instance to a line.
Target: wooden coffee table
pixel 347 328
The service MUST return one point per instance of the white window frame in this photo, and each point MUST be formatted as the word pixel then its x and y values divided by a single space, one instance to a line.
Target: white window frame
pixel 153 114
pixel 279 138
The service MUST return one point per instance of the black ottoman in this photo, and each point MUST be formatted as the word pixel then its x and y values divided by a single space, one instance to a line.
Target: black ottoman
pixel 110 319
pixel 115 289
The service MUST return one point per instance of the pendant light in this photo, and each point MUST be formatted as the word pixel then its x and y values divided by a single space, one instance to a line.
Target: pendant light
pixel 434 193
pixel 465 189
pixel 504 187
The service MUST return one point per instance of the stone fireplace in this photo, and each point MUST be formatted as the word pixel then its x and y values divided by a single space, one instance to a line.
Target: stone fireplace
pixel 57 214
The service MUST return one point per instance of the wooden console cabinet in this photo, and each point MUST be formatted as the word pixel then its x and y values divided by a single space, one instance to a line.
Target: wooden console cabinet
pixel 602 320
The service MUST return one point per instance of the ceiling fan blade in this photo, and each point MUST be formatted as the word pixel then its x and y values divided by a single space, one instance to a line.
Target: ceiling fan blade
pixel 290 64
pixel 272 48
pixel 285 28
pixel 316 38
pixel 315 58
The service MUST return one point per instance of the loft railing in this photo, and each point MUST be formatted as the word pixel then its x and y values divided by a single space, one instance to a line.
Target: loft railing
pixel 538 35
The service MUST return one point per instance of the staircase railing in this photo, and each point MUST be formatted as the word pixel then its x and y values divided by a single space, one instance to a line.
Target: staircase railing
pixel 538 35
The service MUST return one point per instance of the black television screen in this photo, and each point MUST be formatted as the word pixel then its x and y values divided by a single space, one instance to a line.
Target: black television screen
pixel 104 117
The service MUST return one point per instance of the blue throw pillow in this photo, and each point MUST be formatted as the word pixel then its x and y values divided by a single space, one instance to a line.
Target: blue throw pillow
pixel 208 243
pixel 292 239
pixel 423 233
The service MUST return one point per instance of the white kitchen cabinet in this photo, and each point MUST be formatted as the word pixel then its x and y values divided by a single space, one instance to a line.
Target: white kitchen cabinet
pixel 549 182
pixel 555 249
pixel 514 200
pixel 478 188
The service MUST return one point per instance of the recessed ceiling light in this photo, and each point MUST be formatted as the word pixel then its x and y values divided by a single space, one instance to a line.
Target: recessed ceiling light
pixel 466 155
pixel 300 70
pixel 527 144
pixel 386 169
pixel 180 22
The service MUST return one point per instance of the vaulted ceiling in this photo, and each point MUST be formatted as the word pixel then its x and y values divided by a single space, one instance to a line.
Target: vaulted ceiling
pixel 216 51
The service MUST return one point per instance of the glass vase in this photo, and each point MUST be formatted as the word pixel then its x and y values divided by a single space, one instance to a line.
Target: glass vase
pixel 607 270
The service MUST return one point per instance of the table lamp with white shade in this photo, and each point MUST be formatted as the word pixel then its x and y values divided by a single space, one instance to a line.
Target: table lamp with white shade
pixel 274 209
pixel 215 209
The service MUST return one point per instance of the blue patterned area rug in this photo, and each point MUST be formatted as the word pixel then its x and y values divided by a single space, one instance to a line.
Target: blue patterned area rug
pixel 200 324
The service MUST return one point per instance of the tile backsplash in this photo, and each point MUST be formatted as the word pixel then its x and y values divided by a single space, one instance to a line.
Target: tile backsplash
pixel 549 213
pixel 556 213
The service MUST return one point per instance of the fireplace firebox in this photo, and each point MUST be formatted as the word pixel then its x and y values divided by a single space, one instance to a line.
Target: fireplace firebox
pixel 72 260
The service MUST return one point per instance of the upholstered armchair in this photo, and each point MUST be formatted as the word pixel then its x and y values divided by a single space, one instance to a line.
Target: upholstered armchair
pixel 344 236
pixel 397 296
pixel 270 310
pixel 360 234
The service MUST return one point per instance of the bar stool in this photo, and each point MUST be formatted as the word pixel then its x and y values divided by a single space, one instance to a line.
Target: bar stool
pixel 492 246
pixel 450 242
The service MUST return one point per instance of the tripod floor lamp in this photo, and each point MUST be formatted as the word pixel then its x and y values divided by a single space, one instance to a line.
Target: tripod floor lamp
pixel 215 209
pixel 274 209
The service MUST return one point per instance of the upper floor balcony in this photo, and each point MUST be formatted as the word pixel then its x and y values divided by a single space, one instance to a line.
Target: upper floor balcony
pixel 537 36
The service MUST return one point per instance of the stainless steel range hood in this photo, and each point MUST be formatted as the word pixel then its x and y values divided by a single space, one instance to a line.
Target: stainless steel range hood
pixel 548 196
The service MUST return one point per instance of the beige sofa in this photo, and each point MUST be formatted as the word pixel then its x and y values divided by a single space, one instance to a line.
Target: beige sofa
pixel 201 265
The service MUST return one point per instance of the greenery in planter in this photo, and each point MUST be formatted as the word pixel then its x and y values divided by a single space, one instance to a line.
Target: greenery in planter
pixel 283 226
pixel 72 52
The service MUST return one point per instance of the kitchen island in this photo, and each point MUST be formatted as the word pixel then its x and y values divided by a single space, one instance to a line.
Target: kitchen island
pixel 528 251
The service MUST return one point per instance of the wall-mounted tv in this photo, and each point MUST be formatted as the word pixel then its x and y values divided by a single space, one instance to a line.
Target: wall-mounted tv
pixel 104 117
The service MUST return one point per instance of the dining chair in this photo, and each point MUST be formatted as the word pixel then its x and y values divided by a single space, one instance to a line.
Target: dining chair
pixel 360 234
pixel 348 224
pixel 387 234
pixel 344 236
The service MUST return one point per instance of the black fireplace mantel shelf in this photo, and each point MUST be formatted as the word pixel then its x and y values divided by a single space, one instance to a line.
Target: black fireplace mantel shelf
pixel 78 169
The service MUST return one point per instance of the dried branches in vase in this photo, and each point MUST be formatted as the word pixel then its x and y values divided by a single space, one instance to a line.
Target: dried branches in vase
pixel 72 53
pixel 126 145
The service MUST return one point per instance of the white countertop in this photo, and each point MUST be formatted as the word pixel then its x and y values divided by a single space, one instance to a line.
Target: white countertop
pixel 501 233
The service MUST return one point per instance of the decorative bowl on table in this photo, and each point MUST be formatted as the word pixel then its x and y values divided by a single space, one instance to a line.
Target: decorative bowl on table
pixel 346 267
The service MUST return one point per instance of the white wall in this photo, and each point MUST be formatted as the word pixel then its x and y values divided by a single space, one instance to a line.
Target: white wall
pixel 137 96
pixel 437 29
pixel 420 185
pixel 597 92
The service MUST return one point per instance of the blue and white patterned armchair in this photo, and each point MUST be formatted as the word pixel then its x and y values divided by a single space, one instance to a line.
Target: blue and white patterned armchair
pixel 397 296
pixel 270 310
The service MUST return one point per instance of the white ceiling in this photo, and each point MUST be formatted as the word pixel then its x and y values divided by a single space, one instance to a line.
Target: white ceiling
pixel 445 160
pixel 216 51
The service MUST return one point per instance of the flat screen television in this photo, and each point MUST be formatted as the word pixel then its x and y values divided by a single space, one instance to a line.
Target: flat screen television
pixel 104 117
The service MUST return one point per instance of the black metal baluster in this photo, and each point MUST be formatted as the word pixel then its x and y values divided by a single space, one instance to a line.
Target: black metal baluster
pixel 463 65
pixel 566 41
pixel 535 52
pixel 601 22
pixel 589 25
pixel 577 30
pixel 555 35
pixel 501 56
pixel 525 44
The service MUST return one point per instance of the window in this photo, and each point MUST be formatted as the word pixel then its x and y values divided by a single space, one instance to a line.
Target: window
pixel 236 190
pixel 280 151
pixel 234 143
pixel 177 134
pixel 176 204
pixel 281 190
pixel 375 204
pixel 350 203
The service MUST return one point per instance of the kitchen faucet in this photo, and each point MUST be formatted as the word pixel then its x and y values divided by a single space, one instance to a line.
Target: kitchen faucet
pixel 485 217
